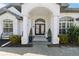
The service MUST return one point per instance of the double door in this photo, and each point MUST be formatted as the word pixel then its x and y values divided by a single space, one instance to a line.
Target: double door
pixel 39 29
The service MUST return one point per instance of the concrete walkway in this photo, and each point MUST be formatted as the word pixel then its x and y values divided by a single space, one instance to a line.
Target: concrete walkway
pixel 39 50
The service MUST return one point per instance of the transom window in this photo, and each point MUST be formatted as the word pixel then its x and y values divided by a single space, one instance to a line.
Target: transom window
pixel 40 21
pixel 7 26
pixel 40 27
pixel 64 24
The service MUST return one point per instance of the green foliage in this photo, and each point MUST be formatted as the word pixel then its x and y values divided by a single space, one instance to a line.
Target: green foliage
pixel 78 40
pixel 63 39
pixel 30 34
pixel 73 33
pixel 49 33
pixel 15 39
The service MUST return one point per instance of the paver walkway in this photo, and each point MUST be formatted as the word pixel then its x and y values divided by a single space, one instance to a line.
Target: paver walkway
pixel 39 49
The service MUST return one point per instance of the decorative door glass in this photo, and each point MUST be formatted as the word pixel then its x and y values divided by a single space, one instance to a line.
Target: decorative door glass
pixel 37 29
pixel 42 29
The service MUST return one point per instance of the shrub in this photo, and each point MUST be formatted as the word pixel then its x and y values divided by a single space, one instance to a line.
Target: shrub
pixel 73 33
pixel 49 35
pixel 63 39
pixel 78 41
pixel 30 36
pixel 15 39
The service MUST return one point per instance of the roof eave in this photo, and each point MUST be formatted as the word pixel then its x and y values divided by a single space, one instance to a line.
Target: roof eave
pixel 70 10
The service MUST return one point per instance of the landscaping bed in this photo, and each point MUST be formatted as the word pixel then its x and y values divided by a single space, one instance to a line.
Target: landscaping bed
pixel 2 41
pixel 70 38
pixel 69 45
pixel 19 45
pixel 15 41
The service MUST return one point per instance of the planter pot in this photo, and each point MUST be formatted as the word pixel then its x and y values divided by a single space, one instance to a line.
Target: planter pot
pixel 30 39
pixel 49 39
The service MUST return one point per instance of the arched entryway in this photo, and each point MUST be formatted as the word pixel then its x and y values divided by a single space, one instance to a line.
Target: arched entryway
pixel 40 27
pixel 40 20
pixel 47 12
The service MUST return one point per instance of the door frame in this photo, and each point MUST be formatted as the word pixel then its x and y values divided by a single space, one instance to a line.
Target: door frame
pixel 40 29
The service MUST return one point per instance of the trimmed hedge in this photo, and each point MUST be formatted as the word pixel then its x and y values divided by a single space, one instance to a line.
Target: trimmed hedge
pixel 49 34
pixel 63 39
pixel 15 39
pixel 30 36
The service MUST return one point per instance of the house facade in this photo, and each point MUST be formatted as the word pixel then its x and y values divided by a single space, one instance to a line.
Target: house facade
pixel 19 19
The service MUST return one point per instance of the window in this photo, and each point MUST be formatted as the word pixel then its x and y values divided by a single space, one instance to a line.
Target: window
pixel 77 19
pixel 40 21
pixel 7 26
pixel 64 24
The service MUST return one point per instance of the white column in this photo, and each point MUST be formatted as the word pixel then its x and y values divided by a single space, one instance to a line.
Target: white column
pixel 55 29
pixel 46 28
pixel 24 39
pixel 15 27
pixel 1 27
pixel 75 22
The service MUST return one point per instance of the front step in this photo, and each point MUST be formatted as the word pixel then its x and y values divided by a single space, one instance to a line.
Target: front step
pixel 40 42
pixel 5 37
pixel 39 38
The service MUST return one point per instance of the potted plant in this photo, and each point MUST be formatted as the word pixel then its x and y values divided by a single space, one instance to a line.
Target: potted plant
pixel 30 36
pixel 49 35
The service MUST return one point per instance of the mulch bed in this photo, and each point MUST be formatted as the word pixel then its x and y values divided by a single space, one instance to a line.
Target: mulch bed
pixel 19 45
pixel 3 41
pixel 65 45
pixel 70 45
pixel 49 45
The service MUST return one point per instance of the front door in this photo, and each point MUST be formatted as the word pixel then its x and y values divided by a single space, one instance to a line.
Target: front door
pixel 39 29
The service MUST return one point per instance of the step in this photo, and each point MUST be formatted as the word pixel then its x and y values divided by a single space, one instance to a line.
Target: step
pixel 39 38
pixel 40 42
pixel 5 37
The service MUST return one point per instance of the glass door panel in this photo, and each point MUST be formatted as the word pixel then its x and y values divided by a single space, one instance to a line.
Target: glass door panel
pixel 37 29
pixel 42 29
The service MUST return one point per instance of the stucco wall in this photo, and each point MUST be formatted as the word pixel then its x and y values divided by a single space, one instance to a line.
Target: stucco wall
pixel 7 15
pixel 20 26
pixel 73 15
pixel 29 21
pixel 27 8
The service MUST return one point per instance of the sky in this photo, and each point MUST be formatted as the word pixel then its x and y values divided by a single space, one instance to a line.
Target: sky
pixel 72 5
